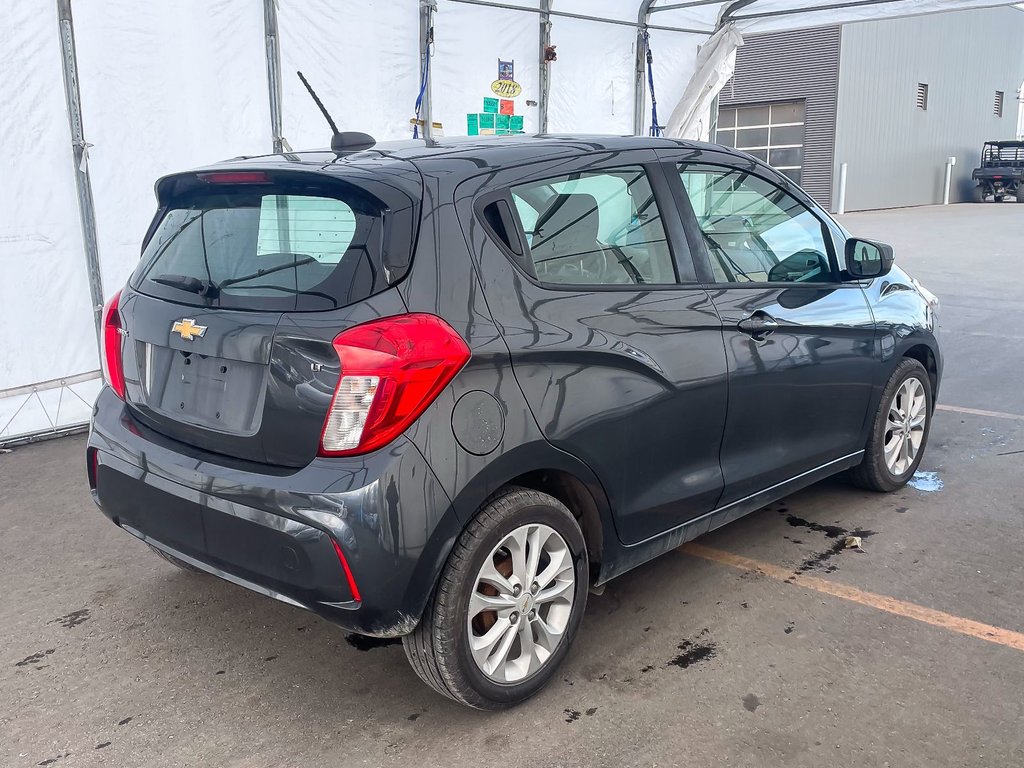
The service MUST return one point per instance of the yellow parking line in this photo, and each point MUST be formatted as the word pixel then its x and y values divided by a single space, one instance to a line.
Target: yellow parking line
pixel 958 624
pixel 979 412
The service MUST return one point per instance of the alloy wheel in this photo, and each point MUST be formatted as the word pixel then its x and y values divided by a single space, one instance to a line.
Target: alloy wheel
pixel 521 603
pixel 904 427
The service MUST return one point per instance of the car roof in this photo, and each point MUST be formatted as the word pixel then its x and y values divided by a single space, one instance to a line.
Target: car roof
pixel 482 152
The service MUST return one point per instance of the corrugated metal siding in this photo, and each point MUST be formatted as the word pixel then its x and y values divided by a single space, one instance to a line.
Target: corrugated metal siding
pixel 789 66
pixel 897 152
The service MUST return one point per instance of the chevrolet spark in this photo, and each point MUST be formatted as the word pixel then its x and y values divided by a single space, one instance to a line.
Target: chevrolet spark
pixel 441 390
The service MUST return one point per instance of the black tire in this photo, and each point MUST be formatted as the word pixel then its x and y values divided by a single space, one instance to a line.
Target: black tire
pixel 979 194
pixel 1020 192
pixel 873 473
pixel 438 649
pixel 175 561
pixel 998 198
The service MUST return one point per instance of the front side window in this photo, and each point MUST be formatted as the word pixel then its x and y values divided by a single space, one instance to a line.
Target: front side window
pixel 595 228
pixel 754 231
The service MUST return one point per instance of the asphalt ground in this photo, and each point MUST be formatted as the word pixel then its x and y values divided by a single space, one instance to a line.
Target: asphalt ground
pixel 765 643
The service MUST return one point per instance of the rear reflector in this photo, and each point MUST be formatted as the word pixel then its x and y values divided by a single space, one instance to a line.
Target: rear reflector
pixel 113 336
pixel 348 572
pixel 391 370
pixel 234 177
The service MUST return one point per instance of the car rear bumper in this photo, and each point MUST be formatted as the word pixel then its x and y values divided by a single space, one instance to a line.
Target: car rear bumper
pixel 358 541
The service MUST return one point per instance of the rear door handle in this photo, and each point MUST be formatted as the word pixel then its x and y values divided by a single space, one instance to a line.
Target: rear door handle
pixel 759 325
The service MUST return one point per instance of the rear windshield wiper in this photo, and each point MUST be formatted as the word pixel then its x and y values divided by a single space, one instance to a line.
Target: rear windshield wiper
pixel 269 270
pixel 211 290
pixel 206 288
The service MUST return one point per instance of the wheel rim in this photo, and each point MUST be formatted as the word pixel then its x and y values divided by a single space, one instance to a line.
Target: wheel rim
pixel 904 427
pixel 521 603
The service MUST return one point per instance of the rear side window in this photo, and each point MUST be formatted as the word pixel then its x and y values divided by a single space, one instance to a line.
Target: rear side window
pixel 266 247
pixel 595 228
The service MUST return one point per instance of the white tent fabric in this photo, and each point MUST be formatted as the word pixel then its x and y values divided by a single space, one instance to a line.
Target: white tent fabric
pixel 170 84
pixel 715 65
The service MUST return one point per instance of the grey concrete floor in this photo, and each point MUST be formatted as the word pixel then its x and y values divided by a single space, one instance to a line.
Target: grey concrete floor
pixel 112 657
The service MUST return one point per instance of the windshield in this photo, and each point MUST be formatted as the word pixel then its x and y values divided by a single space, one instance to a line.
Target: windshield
pixel 266 247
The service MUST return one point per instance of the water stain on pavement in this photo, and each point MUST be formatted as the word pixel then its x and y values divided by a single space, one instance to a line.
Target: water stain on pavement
pixel 820 560
pixel 694 651
pixel 39 656
pixel 73 619
pixel 751 702
pixel 572 715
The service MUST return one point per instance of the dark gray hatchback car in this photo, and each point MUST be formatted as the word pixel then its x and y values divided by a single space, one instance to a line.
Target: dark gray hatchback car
pixel 441 391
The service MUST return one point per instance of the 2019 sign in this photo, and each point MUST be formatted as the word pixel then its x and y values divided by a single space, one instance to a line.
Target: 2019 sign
pixel 507 89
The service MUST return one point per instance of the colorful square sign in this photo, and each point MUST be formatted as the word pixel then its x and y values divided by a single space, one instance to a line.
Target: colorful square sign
pixel 490 105
pixel 472 124
pixel 507 107
pixel 515 122
pixel 486 120
pixel 503 122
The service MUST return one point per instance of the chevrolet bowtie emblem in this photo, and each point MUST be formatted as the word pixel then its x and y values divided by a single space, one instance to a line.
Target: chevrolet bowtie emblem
pixel 188 329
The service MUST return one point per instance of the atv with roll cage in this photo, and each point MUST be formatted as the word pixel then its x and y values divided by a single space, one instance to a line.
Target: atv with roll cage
pixel 1001 172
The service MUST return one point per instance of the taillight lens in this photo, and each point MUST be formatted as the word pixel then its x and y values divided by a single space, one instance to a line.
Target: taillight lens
pixel 391 370
pixel 113 336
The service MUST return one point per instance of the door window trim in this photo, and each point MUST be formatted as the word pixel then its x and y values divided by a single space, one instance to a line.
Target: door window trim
pixel 673 168
pixel 683 265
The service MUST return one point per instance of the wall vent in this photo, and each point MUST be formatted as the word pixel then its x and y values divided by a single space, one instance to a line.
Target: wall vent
pixel 922 96
pixel 997 107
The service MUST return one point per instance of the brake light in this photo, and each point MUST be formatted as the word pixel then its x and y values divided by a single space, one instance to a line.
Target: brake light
pixel 234 177
pixel 391 370
pixel 113 336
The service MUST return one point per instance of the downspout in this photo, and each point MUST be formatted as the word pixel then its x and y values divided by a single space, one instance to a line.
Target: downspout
pixel 545 66
pixel 80 150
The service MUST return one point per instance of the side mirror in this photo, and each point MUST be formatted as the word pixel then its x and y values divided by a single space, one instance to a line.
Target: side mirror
pixel 865 259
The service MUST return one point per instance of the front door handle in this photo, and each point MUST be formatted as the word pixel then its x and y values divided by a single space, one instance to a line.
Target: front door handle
pixel 759 325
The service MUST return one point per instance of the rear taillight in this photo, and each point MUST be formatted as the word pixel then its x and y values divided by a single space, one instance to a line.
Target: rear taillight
pixel 391 370
pixel 113 336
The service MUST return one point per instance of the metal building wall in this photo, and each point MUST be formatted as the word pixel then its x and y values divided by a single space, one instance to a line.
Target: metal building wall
pixel 789 66
pixel 896 152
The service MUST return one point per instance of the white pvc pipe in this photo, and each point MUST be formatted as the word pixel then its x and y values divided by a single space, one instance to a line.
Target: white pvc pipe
pixel 950 162
pixel 841 204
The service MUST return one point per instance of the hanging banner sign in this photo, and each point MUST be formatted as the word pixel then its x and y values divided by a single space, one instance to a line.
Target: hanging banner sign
pixel 507 89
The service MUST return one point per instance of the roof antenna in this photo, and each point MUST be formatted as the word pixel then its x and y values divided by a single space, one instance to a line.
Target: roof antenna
pixel 348 141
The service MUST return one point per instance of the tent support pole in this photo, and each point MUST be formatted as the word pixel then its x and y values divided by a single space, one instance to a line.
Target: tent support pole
pixel 273 53
pixel 545 66
pixel 80 150
pixel 643 16
pixel 427 10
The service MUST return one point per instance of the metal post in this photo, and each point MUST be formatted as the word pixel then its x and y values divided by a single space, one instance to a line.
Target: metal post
pixel 841 203
pixel 950 162
pixel 545 67
pixel 427 10
pixel 273 53
pixel 640 67
pixel 80 150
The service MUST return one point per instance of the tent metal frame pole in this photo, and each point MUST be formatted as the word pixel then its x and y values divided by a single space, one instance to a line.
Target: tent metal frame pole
pixel 273 54
pixel 80 150
pixel 427 10
pixel 545 66
pixel 729 15
pixel 580 16
pixel 640 68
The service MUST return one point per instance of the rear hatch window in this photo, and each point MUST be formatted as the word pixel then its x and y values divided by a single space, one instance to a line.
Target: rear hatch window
pixel 246 240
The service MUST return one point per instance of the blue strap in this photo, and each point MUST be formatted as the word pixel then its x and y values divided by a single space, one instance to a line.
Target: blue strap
pixel 423 84
pixel 655 127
